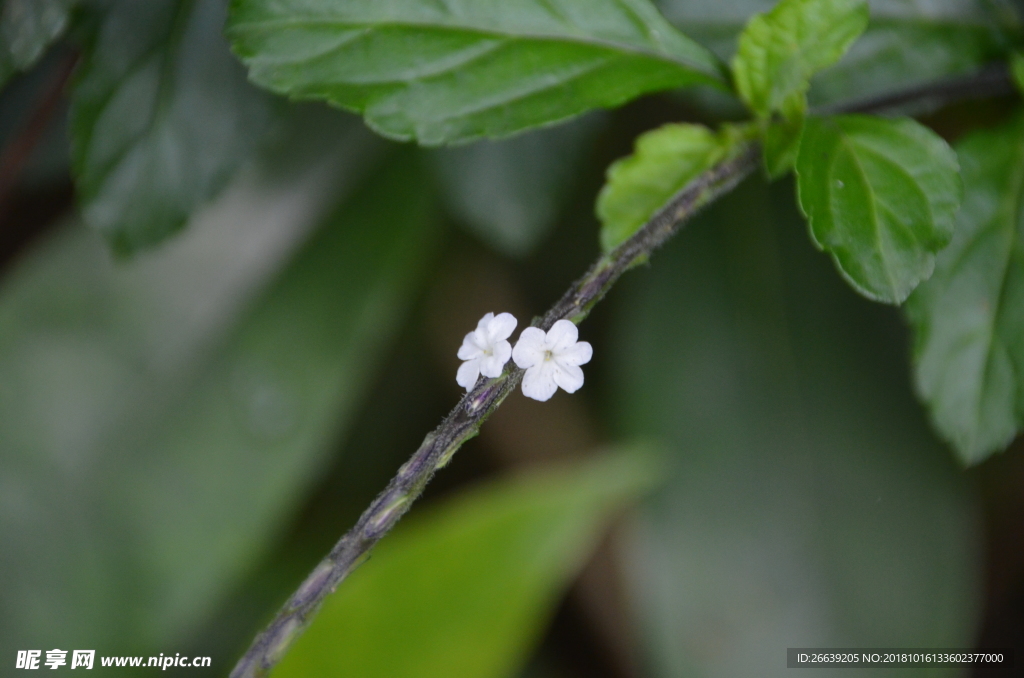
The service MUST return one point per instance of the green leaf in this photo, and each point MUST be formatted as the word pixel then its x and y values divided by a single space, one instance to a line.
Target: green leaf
pixel 806 502
pixel 905 51
pixel 161 117
pixel 27 28
pixel 779 51
pixel 445 72
pixel 969 318
pixel 781 144
pixel 1017 69
pixel 465 589
pixel 511 192
pixel 905 43
pixel 880 196
pixel 664 160
pixel 161 418
pixel 911 43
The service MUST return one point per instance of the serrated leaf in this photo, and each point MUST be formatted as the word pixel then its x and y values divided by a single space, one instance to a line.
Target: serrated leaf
pixel 902 52
pixel 161 116
pixel 880 196
pixel 779 51
pixel 969 318
pixel 27 28
pixel 781 144
pixel 664 160
pixel 463 590
pixel 446 72
pixel 510 192
pixel 905 43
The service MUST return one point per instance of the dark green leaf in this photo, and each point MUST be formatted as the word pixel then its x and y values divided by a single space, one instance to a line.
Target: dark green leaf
pixel 781 143
pixel 969 317
pixel 47 163
pixel 160 418
pixel 910 43
pixel 27 27
pixel 444 72
pixel 779 51
pixel 664 160
pixel 880 196
pixel 713 24
pixel 464 590
pixel 510 192
pixel 905 43
pixel 1017 67
pixel 161 117
pixel 899 53
pixel 806 502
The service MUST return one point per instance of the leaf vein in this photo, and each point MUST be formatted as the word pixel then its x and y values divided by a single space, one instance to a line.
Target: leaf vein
pixel 503 99
pixel 652 52
pixel 872 202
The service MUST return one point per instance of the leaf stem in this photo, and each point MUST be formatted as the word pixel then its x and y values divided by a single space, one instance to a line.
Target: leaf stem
pixel 464 422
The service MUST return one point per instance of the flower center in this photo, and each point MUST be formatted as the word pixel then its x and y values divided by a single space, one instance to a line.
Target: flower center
pixel 548 356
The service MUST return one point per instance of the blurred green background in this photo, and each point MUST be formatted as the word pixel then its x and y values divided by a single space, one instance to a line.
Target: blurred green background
pixel 185 433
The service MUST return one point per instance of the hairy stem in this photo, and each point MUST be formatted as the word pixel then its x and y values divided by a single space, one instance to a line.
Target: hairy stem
pixel 465 420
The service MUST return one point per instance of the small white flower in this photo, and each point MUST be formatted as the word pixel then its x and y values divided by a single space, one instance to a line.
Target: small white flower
pixel 486 349
pixel 551 359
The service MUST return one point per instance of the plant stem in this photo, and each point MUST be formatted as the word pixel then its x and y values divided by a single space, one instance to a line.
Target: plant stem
pixel 465 420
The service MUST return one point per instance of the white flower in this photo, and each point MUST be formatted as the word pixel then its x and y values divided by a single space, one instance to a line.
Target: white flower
pixel 551 360
pixel 486 349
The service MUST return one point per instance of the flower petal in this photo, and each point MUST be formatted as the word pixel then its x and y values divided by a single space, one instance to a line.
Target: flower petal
pixel 483 340
pixel 529 350
pixel 579 353
pixel 562 335
pixel 538 382
pixel 503 351
pixel 468 373
pixel 492 365
pixel 501 327
pixel 569 377
pixel 484 322
pixel 469 349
